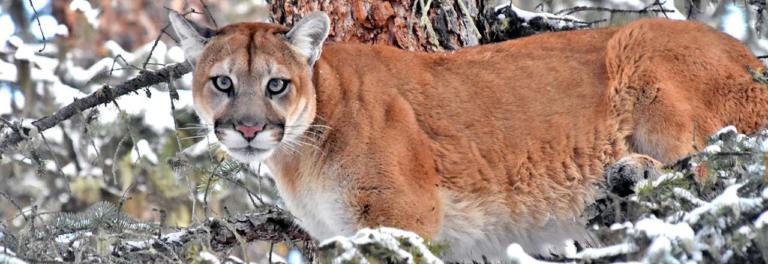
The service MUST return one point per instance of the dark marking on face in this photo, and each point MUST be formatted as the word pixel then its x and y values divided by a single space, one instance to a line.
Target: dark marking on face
pixel 250 49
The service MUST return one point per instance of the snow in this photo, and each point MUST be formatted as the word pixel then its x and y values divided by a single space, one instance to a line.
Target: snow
pixel 28 124
pixel 628 4
pixel 202 147
pixel 137 244
pixel 756 169
pixel 156 110
pixel 24 52
pixel 176 54
pixel 764 146
pixel 384 236
pixel 8 28
pixel 685 194
pixel 761 220
pixel 7 259
pixel 170 238
pixel 734 22
pixel 712 149
pixel 725 130
pixel 276 258
pixel 618 226
pixel 68 238
pixel 91 14
pixel 516 254
pixel 614 250
pixel 7 73
pixel 570 248
pixel 659 251
pixel 654 228
pixel 51 27
pixel 5 250
pixel 8 95
pixel 206 257
pixel 556 21
pixel 655 183
pixel 145 151
pixel 295 257
pixel 675 14
pixel 174 237
pixel 728 200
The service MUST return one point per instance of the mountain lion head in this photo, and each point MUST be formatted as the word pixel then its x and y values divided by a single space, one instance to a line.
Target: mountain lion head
pixel 252 81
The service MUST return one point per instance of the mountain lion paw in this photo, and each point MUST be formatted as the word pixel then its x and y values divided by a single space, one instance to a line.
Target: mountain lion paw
pixel 628 171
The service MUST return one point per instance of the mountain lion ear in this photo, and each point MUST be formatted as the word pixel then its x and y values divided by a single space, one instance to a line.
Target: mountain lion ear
pixel 308 35
pixel 192 37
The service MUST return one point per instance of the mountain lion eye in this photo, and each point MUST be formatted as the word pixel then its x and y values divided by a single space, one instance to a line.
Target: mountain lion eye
pixel 222 83
pixel 277 87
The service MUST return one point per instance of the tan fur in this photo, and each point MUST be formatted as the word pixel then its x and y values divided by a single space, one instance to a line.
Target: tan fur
pixel 488 145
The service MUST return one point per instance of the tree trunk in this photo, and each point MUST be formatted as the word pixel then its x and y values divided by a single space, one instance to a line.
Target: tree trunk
pixel 407 24
pixel 424 25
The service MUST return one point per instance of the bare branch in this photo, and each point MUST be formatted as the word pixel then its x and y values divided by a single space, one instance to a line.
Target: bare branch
pixel 42 34
pixel 210 16
pixel 647 9
pixel 102 96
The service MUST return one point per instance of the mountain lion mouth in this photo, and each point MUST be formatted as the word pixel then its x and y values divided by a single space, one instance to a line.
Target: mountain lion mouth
pixel 250 150
pixel 249 153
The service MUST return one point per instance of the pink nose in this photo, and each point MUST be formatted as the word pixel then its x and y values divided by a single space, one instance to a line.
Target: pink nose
pixel 249 132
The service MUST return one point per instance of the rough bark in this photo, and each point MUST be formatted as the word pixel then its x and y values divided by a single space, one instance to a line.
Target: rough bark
pixel 422 25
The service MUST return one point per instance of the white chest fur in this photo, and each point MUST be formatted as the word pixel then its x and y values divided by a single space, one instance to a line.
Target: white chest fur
pixel 317 203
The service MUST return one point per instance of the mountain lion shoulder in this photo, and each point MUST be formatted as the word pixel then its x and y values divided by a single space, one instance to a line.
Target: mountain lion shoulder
pixel 481 147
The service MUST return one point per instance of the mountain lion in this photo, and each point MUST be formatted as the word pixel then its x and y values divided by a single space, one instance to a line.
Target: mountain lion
pixel 481 147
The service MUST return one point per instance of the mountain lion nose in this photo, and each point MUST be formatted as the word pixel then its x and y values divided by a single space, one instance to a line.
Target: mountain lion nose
pixel 249 131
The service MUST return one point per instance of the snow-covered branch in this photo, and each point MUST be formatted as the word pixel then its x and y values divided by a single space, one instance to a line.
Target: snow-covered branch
pixel 12 136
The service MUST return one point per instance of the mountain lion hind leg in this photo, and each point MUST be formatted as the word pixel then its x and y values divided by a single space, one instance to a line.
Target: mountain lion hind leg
pixel 676 85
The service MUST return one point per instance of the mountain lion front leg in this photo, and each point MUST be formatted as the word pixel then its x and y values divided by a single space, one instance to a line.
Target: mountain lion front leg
pixel 397 206
pixel 398 191
pixel 392 180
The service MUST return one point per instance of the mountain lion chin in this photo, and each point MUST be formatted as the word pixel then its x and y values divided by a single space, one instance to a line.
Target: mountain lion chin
pixel 249 154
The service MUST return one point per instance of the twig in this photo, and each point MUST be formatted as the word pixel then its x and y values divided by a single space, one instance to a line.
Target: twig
pixel 13 202
pixel 115 160
pixel 42 34
pixel 154 45
pixel 663 11
pixel 99 97
pixel 55 159
pixel 208 12
pixel 208 186
pixel 271 251
pixel 646 9
pixel 124 197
